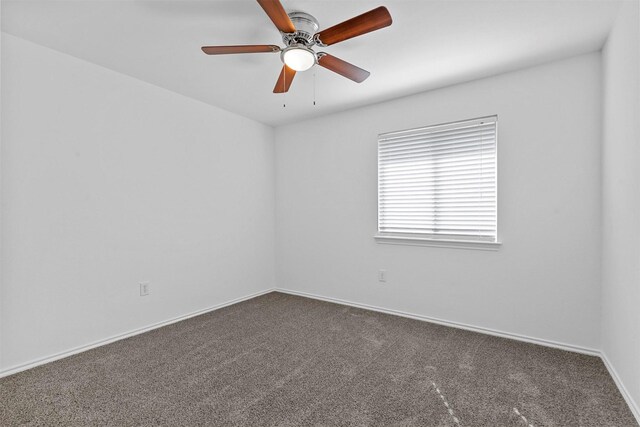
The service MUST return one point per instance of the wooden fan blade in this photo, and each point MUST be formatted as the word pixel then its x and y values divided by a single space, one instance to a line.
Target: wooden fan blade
pixel 361 24
pixel 343 68
pixel 278 15
pixel 251 48
pixel 284 81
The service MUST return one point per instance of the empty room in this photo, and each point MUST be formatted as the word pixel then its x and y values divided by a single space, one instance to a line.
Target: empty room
pixel 320 213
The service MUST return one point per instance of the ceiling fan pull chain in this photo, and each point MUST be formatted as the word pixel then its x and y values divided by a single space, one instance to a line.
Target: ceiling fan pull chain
pixel 314 87
pixel 284 88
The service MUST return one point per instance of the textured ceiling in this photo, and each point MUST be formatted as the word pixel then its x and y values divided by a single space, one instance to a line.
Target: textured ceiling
pixel 430 44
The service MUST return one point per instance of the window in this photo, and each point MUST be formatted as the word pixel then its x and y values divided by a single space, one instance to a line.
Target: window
pixel 438 185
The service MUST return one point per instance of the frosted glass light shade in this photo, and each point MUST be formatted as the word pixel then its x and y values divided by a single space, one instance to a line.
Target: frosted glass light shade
pixel 299 59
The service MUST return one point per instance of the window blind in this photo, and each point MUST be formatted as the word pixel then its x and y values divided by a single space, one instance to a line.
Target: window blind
pixel 439 181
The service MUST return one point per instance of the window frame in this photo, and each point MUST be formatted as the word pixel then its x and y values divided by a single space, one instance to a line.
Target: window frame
pixel 440 240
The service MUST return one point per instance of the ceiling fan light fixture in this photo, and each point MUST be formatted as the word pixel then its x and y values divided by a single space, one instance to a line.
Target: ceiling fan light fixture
pixel 298 58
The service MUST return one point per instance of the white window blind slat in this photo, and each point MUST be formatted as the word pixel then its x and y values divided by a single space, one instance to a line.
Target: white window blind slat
pixel 413 164
pixel 439 181
pixel 426 154
pixel 454 182
pixel 436 144
pixel 462 161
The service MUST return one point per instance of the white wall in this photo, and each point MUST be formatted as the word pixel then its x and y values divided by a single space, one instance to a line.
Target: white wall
pixel 621 200
pixel 545 280
pixel 108 181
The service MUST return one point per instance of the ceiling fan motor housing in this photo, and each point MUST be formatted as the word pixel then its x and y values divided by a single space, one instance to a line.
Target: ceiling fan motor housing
pixel 306 26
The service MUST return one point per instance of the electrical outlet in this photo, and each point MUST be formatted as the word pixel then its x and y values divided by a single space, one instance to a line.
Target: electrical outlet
pixel 145 288
pixel 382 275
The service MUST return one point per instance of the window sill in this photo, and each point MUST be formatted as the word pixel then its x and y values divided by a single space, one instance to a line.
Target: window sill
pixel 440 243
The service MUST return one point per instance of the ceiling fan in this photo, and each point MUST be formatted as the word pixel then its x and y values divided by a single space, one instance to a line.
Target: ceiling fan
pixel 299 34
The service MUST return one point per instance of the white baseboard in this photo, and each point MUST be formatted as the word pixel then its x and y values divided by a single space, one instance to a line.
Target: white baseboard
pixel 472 328
pixel 32 364
pixel 623 390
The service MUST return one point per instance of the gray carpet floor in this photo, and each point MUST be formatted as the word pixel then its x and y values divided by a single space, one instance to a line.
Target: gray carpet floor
pixel 288 361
